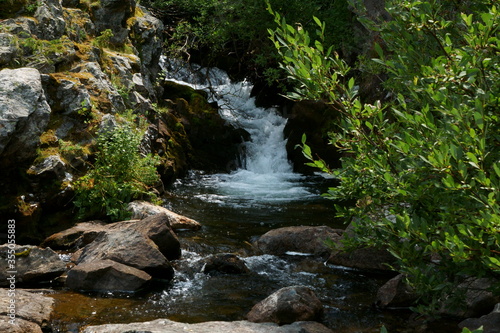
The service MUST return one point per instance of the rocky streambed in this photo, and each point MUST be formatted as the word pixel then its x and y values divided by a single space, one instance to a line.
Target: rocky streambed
pixel 157 273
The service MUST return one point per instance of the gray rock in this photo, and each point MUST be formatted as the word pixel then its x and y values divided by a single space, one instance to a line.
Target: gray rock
pixel 52 166
pixel 33 311
pixel 72 97
pixel 22 27
pixel 165 325
pixel 32 264
pixel 129 247
pixel 143 209
pixel 24 113
pixel 147 35
pixel 79 25
pixel 395 293
pixel 106 275
pixel 99 83
pixel 489 322
pixel 51 24
pixel 112 14
pixel 304 239
pixel 287 305
pixel 8 49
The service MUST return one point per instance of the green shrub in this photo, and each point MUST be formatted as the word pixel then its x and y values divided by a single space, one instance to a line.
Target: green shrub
pixel 424 168
pixel 119 175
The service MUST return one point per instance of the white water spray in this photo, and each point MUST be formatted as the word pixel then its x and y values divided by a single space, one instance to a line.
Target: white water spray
pixel 266 175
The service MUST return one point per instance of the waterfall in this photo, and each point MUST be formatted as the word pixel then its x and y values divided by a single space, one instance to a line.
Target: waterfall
pixel 266 174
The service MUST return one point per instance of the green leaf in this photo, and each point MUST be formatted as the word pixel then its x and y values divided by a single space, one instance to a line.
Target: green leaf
pixel 478 118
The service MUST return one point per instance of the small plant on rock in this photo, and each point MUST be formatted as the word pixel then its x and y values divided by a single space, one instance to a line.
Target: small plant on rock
pixel 119 175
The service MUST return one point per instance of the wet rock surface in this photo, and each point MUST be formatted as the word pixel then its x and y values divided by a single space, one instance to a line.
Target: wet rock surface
pixel 32 311
pixel 32 265
pixel 106 275
pixel 165 325
pixel 303 239
pixel 287 305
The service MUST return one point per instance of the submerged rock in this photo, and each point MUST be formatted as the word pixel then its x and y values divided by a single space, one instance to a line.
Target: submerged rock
pixel 225 264
pixel 32 311
pixel 287 305
pixel 106 275
pixel 165 325
pixel 33 265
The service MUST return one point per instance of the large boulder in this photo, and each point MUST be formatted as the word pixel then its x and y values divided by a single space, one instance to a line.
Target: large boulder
pixel 24 114
pixel 165 325
pixel 32 311
pixel 33 265
pixel 155 231
pixel 106 275
pixel 129 247
pixel 143 209
pixel 287 305
pixel 303 239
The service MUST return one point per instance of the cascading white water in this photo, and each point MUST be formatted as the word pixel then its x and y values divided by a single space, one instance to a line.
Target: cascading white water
pixel 265 175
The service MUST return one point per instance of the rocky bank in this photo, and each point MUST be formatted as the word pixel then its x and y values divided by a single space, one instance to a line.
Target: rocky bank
pixel 69 68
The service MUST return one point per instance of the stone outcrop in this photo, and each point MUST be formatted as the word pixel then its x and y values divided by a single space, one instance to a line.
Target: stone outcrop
pixel 24 114
pixel 32 312
pixel 76 65
pixel 287 305
pixel 165 325
pixel 33 265
pixel 303 239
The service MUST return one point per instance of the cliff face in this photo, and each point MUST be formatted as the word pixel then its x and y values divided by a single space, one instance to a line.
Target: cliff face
pixel 69 68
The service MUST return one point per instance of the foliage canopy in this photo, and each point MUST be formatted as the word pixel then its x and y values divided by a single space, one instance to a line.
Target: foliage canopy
pixel 424 166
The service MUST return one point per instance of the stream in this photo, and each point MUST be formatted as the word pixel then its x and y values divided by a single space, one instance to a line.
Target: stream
pixel 235 209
